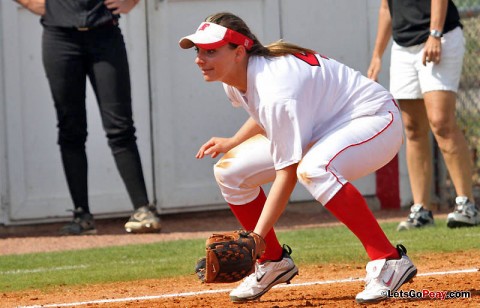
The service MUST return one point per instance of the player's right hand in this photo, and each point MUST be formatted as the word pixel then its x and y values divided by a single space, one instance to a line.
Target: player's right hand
pixel 432 51
pixel 215 146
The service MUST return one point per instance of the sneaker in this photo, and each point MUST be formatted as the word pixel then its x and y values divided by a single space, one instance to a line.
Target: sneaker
pixel 465 214
pixel 266 275
pixel 419 217
pixel 82 224
pixel 386 276
pixel 144 220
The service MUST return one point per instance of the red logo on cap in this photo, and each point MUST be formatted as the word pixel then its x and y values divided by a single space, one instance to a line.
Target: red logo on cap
pixel 203 27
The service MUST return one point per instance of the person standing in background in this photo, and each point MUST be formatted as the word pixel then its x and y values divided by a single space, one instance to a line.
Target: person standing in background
pixel 82 39
pixel 426 64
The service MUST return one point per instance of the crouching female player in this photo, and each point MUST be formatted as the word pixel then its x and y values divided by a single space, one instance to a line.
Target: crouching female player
pixel 312 119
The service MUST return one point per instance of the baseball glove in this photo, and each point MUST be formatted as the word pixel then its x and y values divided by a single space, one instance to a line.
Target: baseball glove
pixel 229 256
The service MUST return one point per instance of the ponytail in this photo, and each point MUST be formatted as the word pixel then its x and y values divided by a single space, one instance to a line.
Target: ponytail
pixel 275 49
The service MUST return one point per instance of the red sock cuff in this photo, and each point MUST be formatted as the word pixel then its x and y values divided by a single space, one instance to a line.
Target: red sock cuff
pixel 349 206
pixel 248 215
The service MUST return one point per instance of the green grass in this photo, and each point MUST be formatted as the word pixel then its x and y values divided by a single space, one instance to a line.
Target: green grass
pixel 177 258
pixel 327 245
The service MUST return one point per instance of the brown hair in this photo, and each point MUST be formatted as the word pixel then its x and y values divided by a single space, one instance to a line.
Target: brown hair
pixel 275 49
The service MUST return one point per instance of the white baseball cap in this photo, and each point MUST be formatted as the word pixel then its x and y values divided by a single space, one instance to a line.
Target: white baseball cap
pixel 210 36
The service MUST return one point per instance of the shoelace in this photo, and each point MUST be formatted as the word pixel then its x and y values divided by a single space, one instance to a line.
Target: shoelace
pixel 259 269
pixel 252 278
pixel 371 282
pixel 415 211
pixel 249 280
pixel 465 209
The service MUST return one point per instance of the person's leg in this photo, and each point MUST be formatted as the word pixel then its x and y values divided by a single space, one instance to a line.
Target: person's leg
pixel 419 163
pixel 390 267
pixel 405 85
pixel 439 86
pixel 109 75
pixel 440 107
pixel 349 207
pixel 240 174
pixel 354 150
pixel 110 79
pixel 418 150
pixel 454 148
pixel 64 66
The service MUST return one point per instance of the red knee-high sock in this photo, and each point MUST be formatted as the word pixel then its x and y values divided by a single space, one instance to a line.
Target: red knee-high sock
pixel 247 215
pixel 349 206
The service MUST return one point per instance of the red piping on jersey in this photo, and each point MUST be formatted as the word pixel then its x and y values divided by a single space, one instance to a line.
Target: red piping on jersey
pixel 396 105
pixel 362 142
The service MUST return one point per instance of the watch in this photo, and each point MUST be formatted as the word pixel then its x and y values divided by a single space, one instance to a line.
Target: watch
pixel 436 33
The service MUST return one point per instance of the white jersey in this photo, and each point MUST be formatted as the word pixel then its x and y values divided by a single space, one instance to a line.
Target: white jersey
pixel 298 99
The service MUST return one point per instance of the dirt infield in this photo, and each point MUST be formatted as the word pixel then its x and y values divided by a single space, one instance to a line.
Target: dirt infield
pixel 334 285
pixel 314 287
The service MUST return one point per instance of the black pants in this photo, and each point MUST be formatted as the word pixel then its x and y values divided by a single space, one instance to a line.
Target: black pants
pixel 69 56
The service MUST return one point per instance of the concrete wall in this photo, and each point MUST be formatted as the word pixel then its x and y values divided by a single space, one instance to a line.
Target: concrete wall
pixel 175 111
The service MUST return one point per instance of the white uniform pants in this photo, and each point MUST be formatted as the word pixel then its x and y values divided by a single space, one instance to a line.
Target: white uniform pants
pixel 348 152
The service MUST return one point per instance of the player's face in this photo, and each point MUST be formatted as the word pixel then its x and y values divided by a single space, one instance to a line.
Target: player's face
pixel 217 64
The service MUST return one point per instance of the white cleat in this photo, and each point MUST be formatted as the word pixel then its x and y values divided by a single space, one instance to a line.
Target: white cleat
pixel 266 275
pixel 386 276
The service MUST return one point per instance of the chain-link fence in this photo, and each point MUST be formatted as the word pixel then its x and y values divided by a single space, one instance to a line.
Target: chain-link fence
pixel 468 100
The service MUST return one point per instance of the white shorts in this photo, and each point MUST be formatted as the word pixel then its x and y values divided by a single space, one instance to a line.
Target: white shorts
pixel 409 78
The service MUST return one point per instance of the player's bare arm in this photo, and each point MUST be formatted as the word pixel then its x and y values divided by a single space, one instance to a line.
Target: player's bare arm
pixel 120 6
pixel 433 46
pixel 384 33
pixel 34 6
pixel 277 199
pixel 217 145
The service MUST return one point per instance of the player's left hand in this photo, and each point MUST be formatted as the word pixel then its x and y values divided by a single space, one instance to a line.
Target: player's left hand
pixel 120 6
pixel 230 256
pixel 432 51
pixel 215 146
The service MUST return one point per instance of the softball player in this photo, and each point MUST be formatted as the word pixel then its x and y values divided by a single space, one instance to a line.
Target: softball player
pixel 312 119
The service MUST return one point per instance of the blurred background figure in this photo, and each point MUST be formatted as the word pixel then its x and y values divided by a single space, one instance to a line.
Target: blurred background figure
pixel 426 64
pixel 82 39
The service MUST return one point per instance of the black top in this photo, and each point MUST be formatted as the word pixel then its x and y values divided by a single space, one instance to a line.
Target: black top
pixel 76 13
pixel 411 20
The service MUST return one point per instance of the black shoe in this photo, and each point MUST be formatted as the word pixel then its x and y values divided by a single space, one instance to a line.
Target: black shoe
pixel 466 214
pixel 419 217
pixel 82 224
